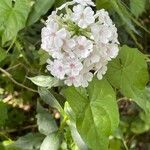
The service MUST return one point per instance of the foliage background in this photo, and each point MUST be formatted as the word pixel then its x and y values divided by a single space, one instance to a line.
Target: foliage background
pixel 21 22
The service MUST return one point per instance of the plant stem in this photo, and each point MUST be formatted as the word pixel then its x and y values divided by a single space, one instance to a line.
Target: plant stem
pixel 11 45
pixel 125 145
pixel 63 124
pixel 3 134
pixel 15 82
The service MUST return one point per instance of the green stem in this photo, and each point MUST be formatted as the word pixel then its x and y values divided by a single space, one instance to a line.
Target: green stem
pixel 11 45
pixel 15 82
pixel 147 55
pixel 63 124
pixel 3 134
pixel 125 145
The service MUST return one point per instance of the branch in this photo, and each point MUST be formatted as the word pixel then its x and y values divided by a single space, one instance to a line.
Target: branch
pixel 15 82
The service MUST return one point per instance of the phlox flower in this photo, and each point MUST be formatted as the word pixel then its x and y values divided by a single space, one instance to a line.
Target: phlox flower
pixel 53 36
pixel 56 68
pixel 83 47
pixel 80 43
pixel 73 80
pixel 73 66
pixel 68 43
pixel 101 69
pixel 103 17
pixel 93 58
pixel 101 33
pixel 85 77
pixel 83 16
pixel 109 51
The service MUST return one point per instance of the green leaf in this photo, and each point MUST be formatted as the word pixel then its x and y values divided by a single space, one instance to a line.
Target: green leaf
pixel 103 4
pixel 138 126
pixel 51 142
pixel 39 8
pixel 77 138
pixel 58 3
pixel 137 7
pixel 49 99
pixel 3 113
pixel 142 98
pixel 115 144
pixel 75 134
pixel 46 123
pixel 9 145
pixel 69 112
pixel 142 124
pixel 124 15
pixel 2 147
pixel 3 54
pixel 44 81
pixel 43 56
pixel 96 114
pixel 12 18
pixel 128 72
pixel 30 141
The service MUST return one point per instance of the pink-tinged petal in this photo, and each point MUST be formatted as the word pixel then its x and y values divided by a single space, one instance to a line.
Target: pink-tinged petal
pixel 62 33
pixel 58 42
pixel 88 11
pixel 78 8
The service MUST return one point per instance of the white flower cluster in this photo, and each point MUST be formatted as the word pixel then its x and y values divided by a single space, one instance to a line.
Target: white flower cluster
pixel 80 42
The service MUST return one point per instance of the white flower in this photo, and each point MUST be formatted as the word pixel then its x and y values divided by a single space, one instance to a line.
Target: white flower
pixel 56 68
pixel 108 51
pixel 83 47
pixel 114 37
pixel 59 37
pixel 80 43
pixel 112 50
pixel 46 45
pixel 56 53
pixel 68 55
pixel 101 33
pixel 85 2
pixel 73 66
pixel 73 80
pixel 103 17
pixel 53 17
pixel 49 34
pixel 83 16
pixel 85 77
pixel 68 43
pixel 68 46
pixel 101 70
pixel 93 58
pixel 53 36
pixel 82 79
